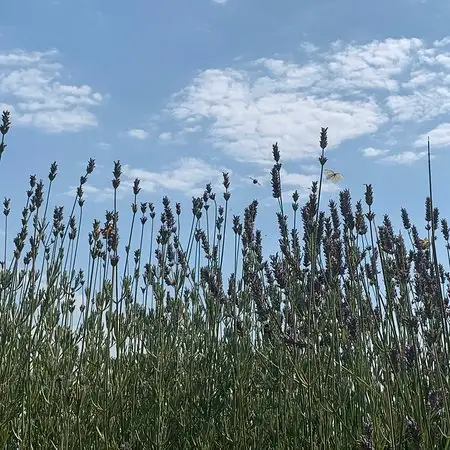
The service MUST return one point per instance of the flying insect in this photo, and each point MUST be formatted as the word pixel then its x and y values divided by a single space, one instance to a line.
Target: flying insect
pixel 333 176
pixel 255 181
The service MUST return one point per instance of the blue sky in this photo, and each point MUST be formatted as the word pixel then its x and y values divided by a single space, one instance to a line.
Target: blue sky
pixel 180 91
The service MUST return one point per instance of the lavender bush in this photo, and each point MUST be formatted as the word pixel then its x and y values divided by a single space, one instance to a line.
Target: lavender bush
pixel 339 340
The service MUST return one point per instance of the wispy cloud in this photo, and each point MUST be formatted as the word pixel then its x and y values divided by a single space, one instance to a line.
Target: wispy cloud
pixel 30 82
pixel 442 42
pixel 371 152
pixel 188 175
pixel 138 133
pixel 308 47
pixel 165 136
pixel 439 136
pixel 103 145
pixel 407 157
pixel 424 104
pixel 99 194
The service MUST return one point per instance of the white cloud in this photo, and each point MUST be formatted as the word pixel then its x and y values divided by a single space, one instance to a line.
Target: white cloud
pixel 194 129
pixel 30 82
pixel 166 136
pixel 420 78
pixel 352 89
pixel 444 59
pixel 439 137
pixel 407 157
pixel 246 117
pixel 180 136
pixel 308 47
pixel 188 175
pixel 23 58
pixel 57 120
pixel 103 145
pixel 137 133
pixel 422 104
pixel 97 194
pixel 371 152
pixel 442 42
pixel 373 65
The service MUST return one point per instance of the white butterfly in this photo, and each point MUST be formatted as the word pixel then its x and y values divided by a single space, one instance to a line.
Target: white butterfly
pixel 333 176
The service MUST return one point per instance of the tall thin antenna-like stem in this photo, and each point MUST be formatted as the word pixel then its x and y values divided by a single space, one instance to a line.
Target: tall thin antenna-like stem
pixel 433 246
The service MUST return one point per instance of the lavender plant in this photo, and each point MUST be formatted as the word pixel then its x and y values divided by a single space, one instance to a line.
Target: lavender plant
pixel 338 340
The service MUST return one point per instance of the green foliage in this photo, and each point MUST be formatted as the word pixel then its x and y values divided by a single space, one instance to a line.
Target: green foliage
pixel 340 340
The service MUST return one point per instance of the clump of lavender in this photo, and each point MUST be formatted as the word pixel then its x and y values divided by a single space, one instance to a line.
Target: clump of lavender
pixel 188 337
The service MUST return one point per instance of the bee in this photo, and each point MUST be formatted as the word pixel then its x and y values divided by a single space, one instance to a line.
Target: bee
pixel 255 181
pixel 108 231
pixel 333 176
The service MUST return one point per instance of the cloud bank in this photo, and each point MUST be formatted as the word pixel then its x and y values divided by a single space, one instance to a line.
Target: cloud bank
pixel 30 83
pixel 354 89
